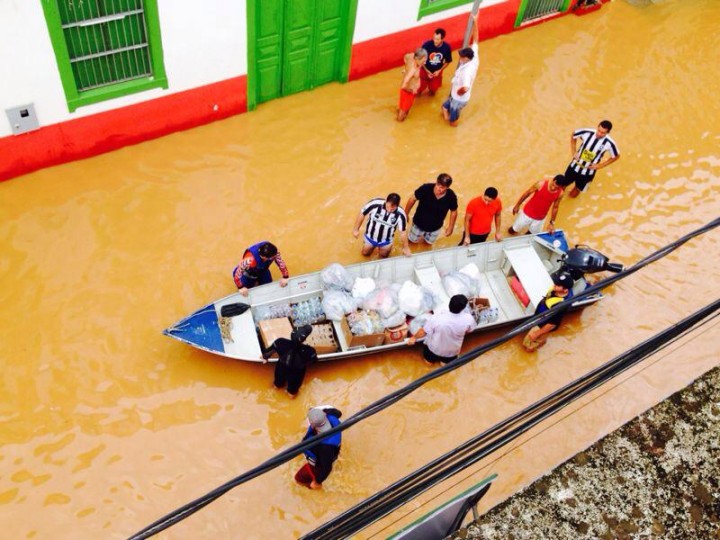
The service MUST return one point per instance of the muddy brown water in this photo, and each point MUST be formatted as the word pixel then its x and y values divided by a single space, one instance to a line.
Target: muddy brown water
pixel 108 425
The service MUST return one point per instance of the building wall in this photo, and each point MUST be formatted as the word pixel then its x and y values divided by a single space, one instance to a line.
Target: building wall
pixel 205 57
pixel 385 31
pixel 206 62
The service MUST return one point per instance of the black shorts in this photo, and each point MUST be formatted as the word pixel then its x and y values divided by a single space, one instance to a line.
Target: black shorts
pixel 434 358
pixel 581 180
pixel 474 238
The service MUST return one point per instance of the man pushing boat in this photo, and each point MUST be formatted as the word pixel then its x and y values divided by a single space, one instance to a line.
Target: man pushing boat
pixel 254 268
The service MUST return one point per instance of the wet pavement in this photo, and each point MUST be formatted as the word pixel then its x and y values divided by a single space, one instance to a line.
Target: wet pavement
pixel 656 477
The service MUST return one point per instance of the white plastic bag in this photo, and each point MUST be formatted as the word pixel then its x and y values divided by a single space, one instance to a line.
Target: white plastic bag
pixel 459 283
pixel 335 277
pixel 337 303
pixel 384 301
pixel 471 270
pixel 414 299
pixel 396 319
pixel 418 322
pixel 362 287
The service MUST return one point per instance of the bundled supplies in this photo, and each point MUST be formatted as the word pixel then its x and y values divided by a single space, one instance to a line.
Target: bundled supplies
pixel 414 299
pixel 337 303
pixel 336 277
pixel 383 300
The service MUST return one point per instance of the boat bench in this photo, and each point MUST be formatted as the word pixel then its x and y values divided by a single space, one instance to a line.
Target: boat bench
pixel 241 347
pixel 530 270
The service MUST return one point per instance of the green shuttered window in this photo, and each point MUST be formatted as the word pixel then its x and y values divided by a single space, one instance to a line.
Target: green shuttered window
pixel 105 48
pixel 427 7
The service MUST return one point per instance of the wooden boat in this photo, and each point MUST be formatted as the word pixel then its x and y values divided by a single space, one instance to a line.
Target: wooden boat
pixel 527 261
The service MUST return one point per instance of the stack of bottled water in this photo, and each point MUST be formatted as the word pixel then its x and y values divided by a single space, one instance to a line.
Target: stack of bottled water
pixel 307 312
pixel 275 311
pixel 488 315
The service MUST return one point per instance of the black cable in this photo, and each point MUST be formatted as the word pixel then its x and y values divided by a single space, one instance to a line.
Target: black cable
pixel 475 449
pixel 381 404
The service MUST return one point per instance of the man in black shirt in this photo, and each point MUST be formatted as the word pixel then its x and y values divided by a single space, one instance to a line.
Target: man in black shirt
pixel 293 359
pixel 438 58
pixel 436 200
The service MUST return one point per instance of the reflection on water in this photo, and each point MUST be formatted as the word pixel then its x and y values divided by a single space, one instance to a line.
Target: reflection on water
pixel 108 425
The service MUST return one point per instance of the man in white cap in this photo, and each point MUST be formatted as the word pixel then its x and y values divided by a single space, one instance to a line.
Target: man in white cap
pixel 561 290
pixel 321 456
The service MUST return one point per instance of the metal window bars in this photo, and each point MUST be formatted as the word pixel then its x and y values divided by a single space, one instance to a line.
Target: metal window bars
pixel 536 9
pixel 107 41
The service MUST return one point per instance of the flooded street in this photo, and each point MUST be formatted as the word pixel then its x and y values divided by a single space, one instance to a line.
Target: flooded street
pixel 107 425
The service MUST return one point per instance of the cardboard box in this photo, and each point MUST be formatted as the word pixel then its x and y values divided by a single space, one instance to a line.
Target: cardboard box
pixel 479 303
pixel 271 329
pixel 396 334
pixel 371 340
pixel 322 339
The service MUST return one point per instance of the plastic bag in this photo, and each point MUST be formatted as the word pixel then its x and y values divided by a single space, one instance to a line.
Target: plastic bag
pixel 459 283
pixel 362 287
pixel 337 303
pixel 335 277
pixel 418 322
pixel 414 299
pixel 384 301
pixel 471 270
pixel 396 319
pixel 363 323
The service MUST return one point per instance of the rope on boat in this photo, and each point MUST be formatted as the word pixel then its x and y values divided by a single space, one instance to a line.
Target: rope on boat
pixel 283 457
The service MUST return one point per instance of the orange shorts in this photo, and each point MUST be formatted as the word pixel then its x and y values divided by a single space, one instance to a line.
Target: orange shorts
pixel 406 100
pixel 433 84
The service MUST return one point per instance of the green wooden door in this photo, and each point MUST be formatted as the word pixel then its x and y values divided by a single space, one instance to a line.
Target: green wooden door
pixel 299 45
pixel 268 49
pixel 296 45
pixel 330 32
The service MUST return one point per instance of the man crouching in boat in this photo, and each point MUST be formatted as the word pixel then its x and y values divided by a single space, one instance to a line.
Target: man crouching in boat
pixel 321 456
pixel 293 359
pixel 254 268
pixel 562 290
pixel 446 332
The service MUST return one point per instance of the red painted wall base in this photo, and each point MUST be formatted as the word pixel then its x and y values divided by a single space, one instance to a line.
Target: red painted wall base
pixel 103 132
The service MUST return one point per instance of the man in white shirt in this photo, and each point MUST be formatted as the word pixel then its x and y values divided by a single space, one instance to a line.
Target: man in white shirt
pixel 462 81
pixel 445 332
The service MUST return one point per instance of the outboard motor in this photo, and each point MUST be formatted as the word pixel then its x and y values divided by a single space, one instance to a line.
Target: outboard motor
pixel 583 260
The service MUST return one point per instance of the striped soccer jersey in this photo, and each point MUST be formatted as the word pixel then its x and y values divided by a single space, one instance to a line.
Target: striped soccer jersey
pixel 381 224
pixel 591 150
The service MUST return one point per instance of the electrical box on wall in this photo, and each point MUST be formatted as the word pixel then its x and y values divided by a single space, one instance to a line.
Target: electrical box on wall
pixel 22 119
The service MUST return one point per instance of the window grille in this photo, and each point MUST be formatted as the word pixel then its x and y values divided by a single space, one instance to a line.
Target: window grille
pixel 428 7
pixel 535 9
pixel 106 40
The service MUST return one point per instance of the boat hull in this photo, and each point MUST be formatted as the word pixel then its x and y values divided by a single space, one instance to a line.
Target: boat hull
pixel 529 259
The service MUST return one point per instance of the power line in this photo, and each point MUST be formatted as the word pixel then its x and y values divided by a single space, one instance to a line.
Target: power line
pixel 283 457
pixel 499 435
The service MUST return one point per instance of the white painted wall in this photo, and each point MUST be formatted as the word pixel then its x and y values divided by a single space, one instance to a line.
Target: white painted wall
pixel 203 42
pixel 377 18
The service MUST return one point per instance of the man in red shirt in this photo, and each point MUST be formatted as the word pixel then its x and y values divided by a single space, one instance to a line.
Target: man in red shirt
pixel 479 216
pixel 544 195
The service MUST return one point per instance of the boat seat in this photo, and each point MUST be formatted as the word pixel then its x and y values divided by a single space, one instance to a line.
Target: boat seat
pixel 429 277
pixel 241 347
pixel 530 270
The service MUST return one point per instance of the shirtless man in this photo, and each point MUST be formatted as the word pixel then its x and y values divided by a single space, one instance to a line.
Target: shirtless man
pixel 411 82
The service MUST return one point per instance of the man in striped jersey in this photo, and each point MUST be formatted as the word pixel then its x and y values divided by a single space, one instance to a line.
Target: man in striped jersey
pixel 384 218
pixel 587 156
